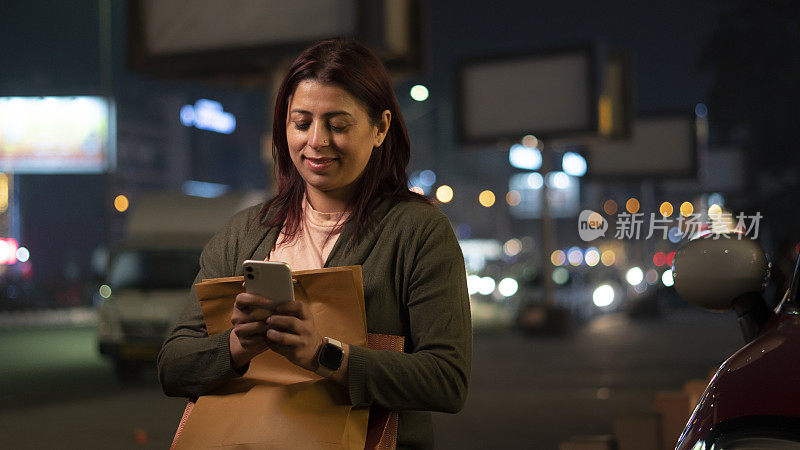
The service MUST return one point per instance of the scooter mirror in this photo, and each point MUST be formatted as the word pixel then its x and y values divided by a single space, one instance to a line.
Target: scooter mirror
pixel 710 272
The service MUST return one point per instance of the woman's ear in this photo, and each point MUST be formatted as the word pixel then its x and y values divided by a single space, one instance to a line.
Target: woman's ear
pixel 383 127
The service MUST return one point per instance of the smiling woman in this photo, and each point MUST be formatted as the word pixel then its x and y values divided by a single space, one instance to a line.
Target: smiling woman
pixel 341 148
pixel 346 93
pixel 331 139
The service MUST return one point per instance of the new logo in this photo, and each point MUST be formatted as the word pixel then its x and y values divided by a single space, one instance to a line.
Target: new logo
pixel 591 225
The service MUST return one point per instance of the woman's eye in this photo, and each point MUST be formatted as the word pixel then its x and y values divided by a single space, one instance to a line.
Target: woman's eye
pixel 301 126
pixel 337 129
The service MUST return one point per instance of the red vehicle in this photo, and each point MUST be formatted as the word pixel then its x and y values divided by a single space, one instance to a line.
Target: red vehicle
pixel 753 401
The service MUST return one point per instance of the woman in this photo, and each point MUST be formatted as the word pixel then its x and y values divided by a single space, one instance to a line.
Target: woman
pixel 341 147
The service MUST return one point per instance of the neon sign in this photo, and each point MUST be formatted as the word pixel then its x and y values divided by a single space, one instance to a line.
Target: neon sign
pixel 208 115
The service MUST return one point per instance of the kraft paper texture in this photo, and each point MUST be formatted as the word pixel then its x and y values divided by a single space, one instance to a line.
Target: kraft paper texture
pixel 276 404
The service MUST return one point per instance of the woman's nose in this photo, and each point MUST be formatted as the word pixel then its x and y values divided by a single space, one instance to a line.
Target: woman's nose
pixel 319 136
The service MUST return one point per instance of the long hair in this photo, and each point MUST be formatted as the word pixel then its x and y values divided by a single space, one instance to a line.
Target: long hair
pixel 354 68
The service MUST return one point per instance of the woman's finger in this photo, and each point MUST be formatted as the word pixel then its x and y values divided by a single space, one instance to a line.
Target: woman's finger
pixel 245 301
pixel 249 315
pixel 245 330
pixel 288 324
pixel 295 308
pixel 283 339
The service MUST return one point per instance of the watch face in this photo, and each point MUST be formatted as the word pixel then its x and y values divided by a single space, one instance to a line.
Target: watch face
pixel 331 356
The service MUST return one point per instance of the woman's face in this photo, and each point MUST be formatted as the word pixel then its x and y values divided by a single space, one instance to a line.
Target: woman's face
pixel 330 138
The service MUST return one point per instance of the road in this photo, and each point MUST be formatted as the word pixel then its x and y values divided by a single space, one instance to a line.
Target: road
pixel 525 392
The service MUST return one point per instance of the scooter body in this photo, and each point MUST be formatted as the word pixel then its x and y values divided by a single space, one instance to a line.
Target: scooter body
pixel 753 401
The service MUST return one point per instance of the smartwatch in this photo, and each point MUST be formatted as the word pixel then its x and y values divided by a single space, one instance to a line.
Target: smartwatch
pixel 329 357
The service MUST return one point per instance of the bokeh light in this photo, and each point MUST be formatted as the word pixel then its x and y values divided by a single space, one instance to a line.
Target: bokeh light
pixel 523 157
pixel 687 209
pixel 427 177
pixel 701 110
pixel 444 193
pixel 634 276
pixel 558 258
pixel 105 291
pixel 512 247
pixel 667 279
pixel 558 180
pixel 530 141
pixel 486 286
pixel 666 209
pixel 715 212
pixel 121 203
pixel 23 254
pixel 575 256
pixel 651 276
pixel 560 275
pixel 573 164
pixel 632 205
pixel 610 207
pixel 507 287
pixel 603 296
pixel 674 235
pixel 513 198
pixel 659 259
pixel 592 257
pixel 486 198
pixel 419 93
pixel 608 258
pixel 535 180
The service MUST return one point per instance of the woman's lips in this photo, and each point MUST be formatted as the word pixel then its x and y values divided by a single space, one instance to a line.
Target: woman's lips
pixel 319 164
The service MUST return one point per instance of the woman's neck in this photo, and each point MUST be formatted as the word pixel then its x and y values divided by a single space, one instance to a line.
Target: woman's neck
pixel 328 201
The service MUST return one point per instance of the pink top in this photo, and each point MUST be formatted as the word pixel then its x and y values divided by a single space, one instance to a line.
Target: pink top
pixel 313 242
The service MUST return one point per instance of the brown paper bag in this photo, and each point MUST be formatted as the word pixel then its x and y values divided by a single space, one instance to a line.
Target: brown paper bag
pixel 278 405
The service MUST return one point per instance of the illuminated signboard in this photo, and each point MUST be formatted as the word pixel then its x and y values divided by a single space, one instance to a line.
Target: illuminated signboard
pixel 208 115
pixel 56 134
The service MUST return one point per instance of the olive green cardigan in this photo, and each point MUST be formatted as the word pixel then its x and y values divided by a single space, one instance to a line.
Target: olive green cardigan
pixel 414 286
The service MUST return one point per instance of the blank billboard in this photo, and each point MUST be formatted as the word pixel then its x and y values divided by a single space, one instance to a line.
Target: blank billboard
pixel 664 146
pixel 550 94
pixel 236 38
pixel 56 134
pixel 177 26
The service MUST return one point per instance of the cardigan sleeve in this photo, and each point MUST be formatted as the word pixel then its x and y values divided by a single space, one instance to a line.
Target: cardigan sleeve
pixel 435 376
pixel 190 362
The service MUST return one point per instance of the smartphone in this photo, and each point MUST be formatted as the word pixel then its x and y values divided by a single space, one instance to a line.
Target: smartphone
pixel 272 280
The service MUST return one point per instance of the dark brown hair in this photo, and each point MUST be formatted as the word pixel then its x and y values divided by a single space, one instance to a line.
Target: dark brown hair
pixel 354 68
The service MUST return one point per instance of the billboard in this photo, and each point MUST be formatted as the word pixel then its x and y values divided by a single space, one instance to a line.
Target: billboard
pixel 49 135
pixel 251 37
pixel 661 146
pixel 553 93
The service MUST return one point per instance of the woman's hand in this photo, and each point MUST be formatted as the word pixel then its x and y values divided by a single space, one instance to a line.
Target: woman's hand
pixel 249 335
pixel 292 333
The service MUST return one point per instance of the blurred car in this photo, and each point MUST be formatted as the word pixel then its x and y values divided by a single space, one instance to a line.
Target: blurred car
pixel 149 289
pixel 148 279
pixel 752 400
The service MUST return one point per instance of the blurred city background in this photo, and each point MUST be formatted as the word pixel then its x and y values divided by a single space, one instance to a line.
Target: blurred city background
pixel 574 145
